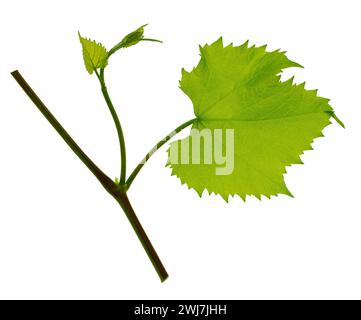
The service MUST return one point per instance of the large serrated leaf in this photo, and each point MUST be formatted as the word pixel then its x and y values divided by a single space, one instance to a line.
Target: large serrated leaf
pixel 273 122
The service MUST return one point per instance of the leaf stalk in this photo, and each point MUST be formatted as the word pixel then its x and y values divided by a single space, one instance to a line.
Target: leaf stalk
pixel 155 148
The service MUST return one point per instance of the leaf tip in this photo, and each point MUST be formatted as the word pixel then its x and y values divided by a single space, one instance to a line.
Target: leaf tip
pixel 336 118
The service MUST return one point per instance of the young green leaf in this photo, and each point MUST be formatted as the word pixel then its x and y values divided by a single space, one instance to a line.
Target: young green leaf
pixel 131 39
pixel 134 37
pixel 95 55
pixel 273 122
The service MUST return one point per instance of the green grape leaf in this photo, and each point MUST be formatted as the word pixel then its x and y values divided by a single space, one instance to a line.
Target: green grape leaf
pixel 95 55
pixel 237 89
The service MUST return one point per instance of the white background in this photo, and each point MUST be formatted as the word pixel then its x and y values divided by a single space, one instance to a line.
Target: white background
pixel 62 236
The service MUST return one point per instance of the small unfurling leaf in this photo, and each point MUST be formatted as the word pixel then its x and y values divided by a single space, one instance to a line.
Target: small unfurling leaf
pixel 134 37
pixel 129 40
